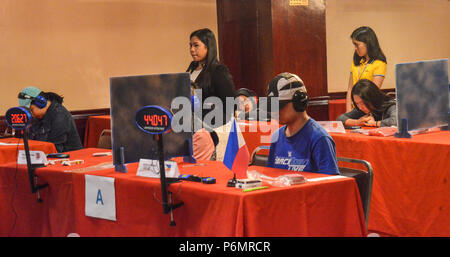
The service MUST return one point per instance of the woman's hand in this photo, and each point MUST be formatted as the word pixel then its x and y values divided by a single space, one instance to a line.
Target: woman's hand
pixel 363 120
pixel 357 122
pixel 370 121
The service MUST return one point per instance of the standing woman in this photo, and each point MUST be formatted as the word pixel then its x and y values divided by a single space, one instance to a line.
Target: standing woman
pixel 369 61
pixel 211 76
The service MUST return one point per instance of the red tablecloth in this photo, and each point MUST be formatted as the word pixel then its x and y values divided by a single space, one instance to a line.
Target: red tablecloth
pixel 322 208
pixel 94 127
pixel 335 108
pixel 10 151
pixel 411 190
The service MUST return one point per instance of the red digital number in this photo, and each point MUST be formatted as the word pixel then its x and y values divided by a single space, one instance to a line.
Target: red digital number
pixel 147 118
pixel 165 120
pixel 156 120
pixel 18 118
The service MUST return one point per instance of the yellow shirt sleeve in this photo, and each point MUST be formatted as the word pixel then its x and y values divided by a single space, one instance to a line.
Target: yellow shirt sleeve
pixel 379 68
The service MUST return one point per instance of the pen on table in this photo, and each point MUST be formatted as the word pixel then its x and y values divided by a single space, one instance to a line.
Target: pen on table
pixel 255 188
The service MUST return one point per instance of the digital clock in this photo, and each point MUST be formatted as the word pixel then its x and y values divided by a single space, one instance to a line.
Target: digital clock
pixel 153 119
pixel 18 118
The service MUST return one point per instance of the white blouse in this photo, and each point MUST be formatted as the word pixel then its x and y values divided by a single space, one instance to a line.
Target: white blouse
pixel 195 74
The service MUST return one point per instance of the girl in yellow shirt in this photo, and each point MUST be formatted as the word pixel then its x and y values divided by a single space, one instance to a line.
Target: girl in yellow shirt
pixel 369 61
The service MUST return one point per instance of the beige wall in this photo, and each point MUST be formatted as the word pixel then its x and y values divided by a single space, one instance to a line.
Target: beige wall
pixel 73 47
pixel 408 30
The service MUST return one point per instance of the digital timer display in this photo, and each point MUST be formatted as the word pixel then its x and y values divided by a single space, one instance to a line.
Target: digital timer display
pixel 153 119
pixel 18 118
pixel 156 120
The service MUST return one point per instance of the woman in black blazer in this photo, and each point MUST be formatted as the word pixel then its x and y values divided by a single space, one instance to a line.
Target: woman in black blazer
pixel 209 75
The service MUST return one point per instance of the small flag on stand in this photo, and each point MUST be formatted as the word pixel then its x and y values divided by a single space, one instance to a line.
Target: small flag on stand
pixel 236 154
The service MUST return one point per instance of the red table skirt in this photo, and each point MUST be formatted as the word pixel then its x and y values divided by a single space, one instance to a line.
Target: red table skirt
pixel 411 191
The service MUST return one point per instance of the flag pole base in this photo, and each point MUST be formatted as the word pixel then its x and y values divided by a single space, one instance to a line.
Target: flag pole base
pixel 232 182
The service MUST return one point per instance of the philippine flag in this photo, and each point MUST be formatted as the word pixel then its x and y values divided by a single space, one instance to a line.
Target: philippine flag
pixel 236 154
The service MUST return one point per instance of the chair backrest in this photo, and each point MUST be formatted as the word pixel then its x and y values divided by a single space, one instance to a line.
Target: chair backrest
pixel 363 179
pixel 259 159
pixel 104 140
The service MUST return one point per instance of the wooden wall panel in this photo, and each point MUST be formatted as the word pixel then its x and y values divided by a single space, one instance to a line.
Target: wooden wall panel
pixel 245 41
pixel 299 43
pixel 260 38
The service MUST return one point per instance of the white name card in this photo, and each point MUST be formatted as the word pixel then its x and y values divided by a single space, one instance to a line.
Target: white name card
pixel 36 157
pixel 150 168
pixel 100 197
pixel 332 126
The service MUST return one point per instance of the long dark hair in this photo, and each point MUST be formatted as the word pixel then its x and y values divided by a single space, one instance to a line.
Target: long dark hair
pixel 207 37
pixel 367 35
pixel 374 99
pixel 53 97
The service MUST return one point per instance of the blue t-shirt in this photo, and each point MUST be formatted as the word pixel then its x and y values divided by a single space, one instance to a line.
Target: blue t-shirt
pixel 311 149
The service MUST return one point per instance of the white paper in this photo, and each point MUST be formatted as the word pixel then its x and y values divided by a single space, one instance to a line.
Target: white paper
pixel 100 197
pixel 36 157
pixel 150 168
pixel 332 126
pixel 325 178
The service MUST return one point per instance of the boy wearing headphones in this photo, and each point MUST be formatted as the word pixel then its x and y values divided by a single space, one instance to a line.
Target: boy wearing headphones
pixel 52 122
pixel 301 144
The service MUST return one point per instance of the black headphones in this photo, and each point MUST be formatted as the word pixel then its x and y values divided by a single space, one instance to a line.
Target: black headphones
pixel 300 98
pixel 300 101
pixel 245 91
pixel 250 94
pixel 38 101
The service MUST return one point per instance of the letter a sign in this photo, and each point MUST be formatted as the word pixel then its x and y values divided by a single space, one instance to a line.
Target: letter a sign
pixel 100 197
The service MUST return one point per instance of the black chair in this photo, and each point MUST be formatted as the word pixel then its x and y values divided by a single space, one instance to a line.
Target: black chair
pixel 259 159
pixel 363 179
pixel 104 141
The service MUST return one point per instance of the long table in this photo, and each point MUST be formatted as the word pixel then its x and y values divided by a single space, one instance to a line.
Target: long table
pixel 9 148
pixel 411 186
pixel 329 207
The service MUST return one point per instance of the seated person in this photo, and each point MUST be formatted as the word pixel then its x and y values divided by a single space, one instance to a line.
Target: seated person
pixel 52 122
pixel 301 144
pixel 248 108
pixel 373 107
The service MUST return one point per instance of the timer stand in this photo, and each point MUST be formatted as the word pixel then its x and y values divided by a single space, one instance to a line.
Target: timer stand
pixel 155 120
pixel 165 194
pixel 19 118
pixel 31 168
